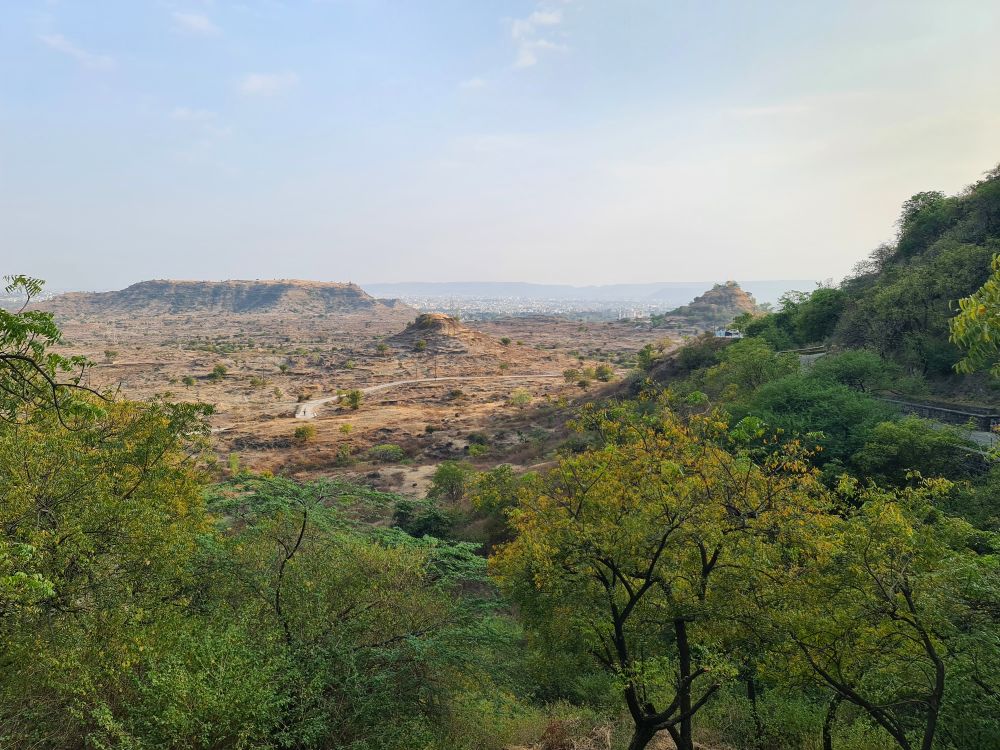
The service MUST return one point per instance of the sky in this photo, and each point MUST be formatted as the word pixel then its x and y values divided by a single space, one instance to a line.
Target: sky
pixel 573 141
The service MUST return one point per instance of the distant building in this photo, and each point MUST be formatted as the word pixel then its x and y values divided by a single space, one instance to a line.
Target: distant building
pixel 727 333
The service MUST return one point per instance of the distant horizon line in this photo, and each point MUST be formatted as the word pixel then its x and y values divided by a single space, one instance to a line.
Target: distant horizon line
pixel 364 284
pixel 567 283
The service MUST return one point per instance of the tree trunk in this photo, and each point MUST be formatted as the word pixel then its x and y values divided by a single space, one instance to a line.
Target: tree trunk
pixel 758 724
pixel 684 684
pixel 831 717
pixel 932 718
pixel 641 737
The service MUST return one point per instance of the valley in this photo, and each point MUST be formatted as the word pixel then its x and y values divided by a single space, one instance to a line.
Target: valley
pixel 272 357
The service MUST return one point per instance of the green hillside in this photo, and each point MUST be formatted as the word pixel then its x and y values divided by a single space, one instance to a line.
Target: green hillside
pixel 899 300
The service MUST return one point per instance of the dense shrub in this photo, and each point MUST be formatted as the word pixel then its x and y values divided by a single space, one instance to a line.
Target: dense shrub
pixel 386 453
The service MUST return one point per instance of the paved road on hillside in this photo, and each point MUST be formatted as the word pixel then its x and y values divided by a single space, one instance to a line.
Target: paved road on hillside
pixel 986 440
pixel 307 409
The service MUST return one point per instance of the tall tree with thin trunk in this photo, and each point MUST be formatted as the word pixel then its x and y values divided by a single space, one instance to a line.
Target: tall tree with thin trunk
pixel 882 599
pixel 632 552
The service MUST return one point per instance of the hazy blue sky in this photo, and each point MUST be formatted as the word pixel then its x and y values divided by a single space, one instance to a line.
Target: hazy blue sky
pixel 580 141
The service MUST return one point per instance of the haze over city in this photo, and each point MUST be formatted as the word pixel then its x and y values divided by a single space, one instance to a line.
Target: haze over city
pixel 552 141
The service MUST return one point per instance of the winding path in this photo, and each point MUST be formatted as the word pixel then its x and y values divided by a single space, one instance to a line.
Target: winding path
pixel 307 409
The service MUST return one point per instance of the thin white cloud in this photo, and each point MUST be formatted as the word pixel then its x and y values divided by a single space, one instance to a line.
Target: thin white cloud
pixel 472 84
pixel 87 59
pixel 186 114
pixel 528 51
pixel 526 27
pixel 267 84
pixel 527 34
pixel 195 23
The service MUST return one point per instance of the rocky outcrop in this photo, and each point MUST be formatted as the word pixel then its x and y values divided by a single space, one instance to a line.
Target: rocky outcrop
pixel 718 306
pixel 439 334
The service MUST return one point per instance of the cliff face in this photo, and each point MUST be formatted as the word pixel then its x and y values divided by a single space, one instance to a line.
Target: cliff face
pixel 165 297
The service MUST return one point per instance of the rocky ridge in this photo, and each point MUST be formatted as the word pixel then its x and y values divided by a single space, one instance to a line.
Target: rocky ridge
pixel 169 297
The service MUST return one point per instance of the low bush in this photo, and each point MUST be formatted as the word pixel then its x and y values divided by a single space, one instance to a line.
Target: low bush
pixel 305 433
pixel 386 453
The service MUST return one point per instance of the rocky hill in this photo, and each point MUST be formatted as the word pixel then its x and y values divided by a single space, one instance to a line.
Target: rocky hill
pixel 718 306
pixel 442 334
pixel 165 297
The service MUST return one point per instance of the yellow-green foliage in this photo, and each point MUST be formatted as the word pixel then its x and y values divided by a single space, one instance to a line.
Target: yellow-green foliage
pixel 643 535
pixel 976 328
pixel 305 433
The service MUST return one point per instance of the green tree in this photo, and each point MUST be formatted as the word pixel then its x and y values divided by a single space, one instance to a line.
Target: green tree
pixel 746 366
pixel 894 449
pixel 97 526
pixel 886 596
pixel 646 358
pixel 450 481
pixel 628 551
pixel 976 328
pixel 832 416
pixel 904 311
pixel 816 317
pixel 922 220
pixel 354 398
pixel 605 373
pixel 363 621
pixel 305 433
pixel 496 490
pixel 860 369
pixel 32 376
pixel 420 518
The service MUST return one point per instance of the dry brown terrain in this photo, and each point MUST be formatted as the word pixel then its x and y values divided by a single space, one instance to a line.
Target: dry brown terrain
pixel 430 385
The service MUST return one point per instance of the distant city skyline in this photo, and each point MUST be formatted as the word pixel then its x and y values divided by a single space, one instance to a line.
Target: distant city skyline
pixel 549 141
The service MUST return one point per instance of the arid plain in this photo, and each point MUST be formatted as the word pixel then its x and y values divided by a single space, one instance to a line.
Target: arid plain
pixel 272 366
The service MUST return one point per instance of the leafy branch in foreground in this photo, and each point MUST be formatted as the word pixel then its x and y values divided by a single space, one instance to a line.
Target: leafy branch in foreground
pixel 890 602
pixel 30 374
pixel 976 328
